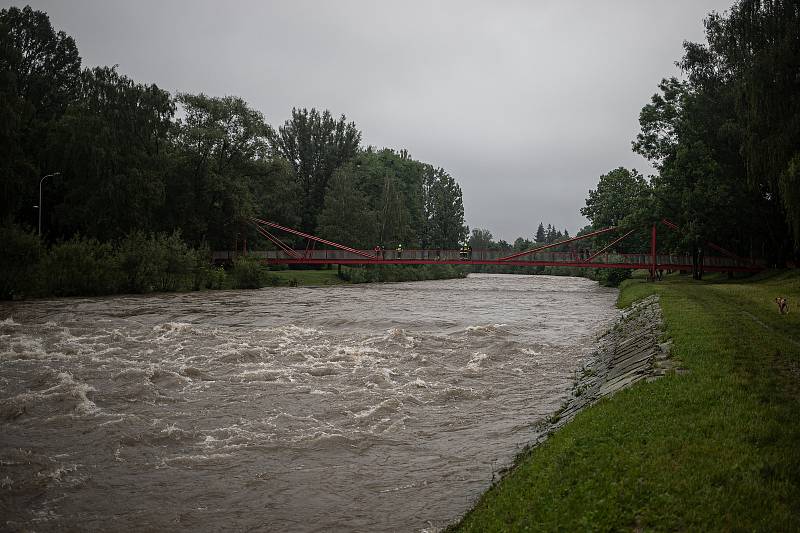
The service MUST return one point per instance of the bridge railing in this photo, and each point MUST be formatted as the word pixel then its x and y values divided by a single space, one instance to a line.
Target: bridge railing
pixel 569 257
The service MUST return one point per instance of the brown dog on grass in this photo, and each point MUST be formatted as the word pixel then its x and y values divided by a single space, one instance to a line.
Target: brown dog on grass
pixel 783 305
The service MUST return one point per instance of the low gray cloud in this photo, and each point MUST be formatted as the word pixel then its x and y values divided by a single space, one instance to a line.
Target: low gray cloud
pixel 525 103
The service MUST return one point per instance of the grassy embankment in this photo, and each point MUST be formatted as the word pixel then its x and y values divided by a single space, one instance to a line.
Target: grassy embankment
pixel 716 448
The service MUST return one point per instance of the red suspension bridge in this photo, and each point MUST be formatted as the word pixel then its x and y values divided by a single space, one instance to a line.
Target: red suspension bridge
pixel 330 252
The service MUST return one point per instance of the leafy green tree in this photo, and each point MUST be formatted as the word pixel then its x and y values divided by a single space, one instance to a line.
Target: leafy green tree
pixel 481 239
pixel 111 146
pixel 444 209
pixel 615 198
pixel 347 216
pixel 503 245
pixel 754 51
pixel 521 244
pixel 393 182
pixel 688 132
pixel 315 145
pixel 39 71
pixel 275 192
pixel 622 199
pixel 392 217
pixel 222 147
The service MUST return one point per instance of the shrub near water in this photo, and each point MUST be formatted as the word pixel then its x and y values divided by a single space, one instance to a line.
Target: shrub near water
pixel 19 262
pixel 612 277
pixel 214 277
pixel 157 262
pixel 250 273
pixel 80 266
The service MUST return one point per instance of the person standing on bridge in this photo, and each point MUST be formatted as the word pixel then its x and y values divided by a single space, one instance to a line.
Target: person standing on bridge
pixel 378 251
pixel 399 250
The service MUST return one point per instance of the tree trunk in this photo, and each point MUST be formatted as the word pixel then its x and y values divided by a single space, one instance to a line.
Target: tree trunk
pixel 700 263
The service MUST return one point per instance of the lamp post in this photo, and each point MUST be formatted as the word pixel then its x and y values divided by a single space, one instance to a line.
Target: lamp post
pixel 40 199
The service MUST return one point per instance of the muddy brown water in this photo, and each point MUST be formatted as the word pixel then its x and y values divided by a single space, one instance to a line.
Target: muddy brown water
pixel 385 407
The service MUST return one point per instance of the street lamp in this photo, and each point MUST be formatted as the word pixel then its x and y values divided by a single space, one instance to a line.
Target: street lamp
pixel 40 198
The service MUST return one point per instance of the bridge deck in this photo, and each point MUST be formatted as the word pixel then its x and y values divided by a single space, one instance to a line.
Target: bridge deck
pixel 492 257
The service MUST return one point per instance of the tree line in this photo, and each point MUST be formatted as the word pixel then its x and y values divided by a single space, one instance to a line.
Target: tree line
pixel 482 239
pixel 132 157
pixel 725 142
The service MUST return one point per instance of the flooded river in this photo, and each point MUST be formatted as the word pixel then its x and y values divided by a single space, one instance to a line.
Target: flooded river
pixel 383 407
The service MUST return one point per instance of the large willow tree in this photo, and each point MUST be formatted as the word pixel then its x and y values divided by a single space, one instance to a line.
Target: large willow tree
pixel 755 51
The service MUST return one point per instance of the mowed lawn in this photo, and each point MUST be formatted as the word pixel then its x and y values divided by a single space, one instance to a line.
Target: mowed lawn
pixel 716 448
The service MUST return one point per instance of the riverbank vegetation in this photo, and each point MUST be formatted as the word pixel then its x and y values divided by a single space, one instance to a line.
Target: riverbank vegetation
pixel 713 448
pixel 116 160
pixel 139 263
pixel 143 263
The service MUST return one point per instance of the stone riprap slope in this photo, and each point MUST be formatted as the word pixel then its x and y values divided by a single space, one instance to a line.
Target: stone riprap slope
pixel 629 352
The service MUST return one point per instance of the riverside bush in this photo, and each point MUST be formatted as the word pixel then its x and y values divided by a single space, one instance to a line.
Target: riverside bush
pixel 251 273
pixel 612 277
pixel 19 262
pixel 178 262
pixel 158 262
pixel 80 266
pixel 215 278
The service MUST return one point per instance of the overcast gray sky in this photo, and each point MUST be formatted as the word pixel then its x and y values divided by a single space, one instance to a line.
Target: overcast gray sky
pixel 526 104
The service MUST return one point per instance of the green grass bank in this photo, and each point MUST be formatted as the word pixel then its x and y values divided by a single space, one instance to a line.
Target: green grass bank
pixel 714 449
